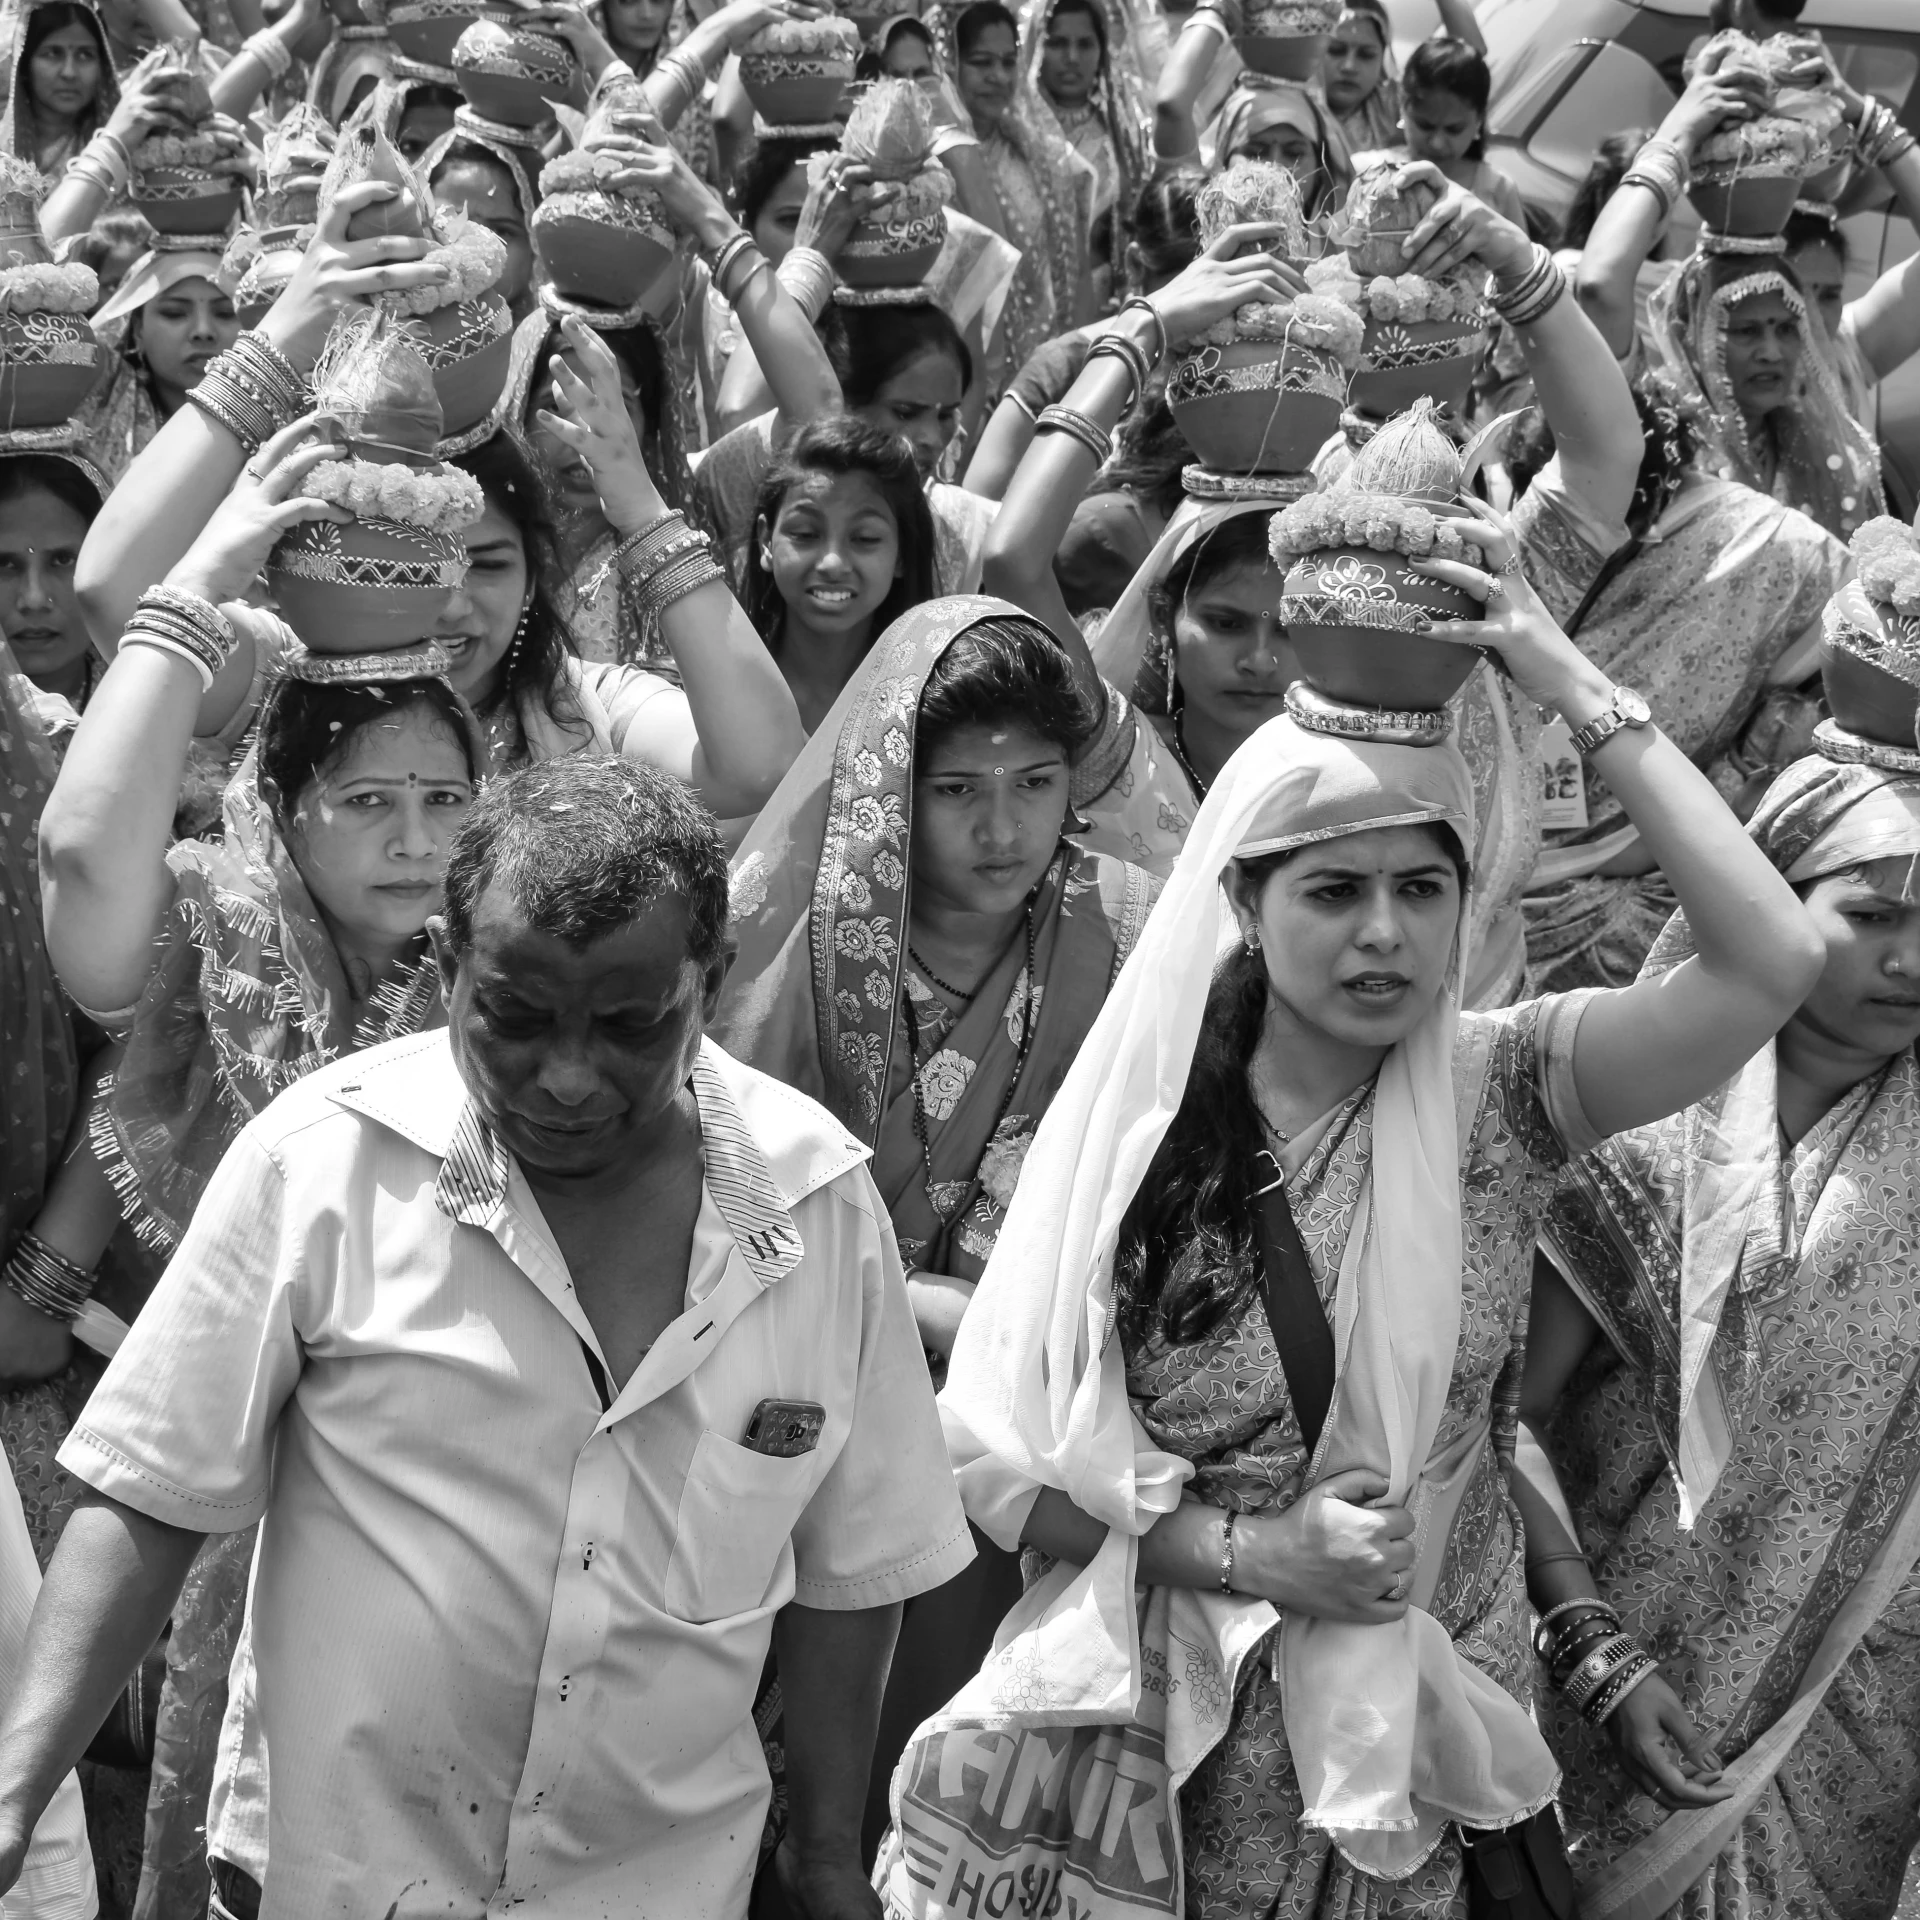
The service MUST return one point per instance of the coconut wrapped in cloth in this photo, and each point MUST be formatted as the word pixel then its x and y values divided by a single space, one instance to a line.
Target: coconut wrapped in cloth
pixel 1356 612
pixel 381 580
pixel 891 133
pixel 1799 62
pixel 603 246
pixel 1424 336
pixel 1285 38
pixel 796 73
pixel 261 257
pixel 1870 645
pixel 1747 174
pixel 49 356
pixel 189 173
pixel 1259 392
pixel 462 327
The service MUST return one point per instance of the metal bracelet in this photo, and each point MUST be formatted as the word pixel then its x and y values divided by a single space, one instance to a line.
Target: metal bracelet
pixel 47 1280
pixel 1130 353
pixel 1091 435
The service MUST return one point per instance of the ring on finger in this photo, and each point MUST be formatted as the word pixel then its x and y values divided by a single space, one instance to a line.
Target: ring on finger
pixel 1495 587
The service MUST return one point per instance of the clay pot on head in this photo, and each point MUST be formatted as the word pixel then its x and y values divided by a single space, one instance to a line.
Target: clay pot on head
pixel 1338 606
pixel 510 74
pixel 602 249
pixel 427 30
pixel 48 365
pixel 880 253
pixel 1406 360
pixel 1751 205
pixel 367 586
pixel 280 253
pixel 796 89
pixel 1256 406
pixel 1870 661
pixel 1293 56
pixel 185 199
pixel 467 346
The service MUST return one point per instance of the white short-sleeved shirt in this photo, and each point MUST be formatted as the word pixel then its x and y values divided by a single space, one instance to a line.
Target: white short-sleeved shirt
pixel 505 1639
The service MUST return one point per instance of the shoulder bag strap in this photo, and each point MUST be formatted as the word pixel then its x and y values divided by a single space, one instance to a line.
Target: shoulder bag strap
pixel 1611 569
pixel 1295 1315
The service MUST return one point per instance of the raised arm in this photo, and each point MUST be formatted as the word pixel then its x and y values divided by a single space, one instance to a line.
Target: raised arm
pixel 1578 381
pixel 1629 226
pixel 170 491
pixel 263 57
pixel 98 174
pixel 736 729
pixel 680 77
pixel 1176 138
pixel 1650 1049
pixel 1457 22
pixel 104 880
pixel 1886 318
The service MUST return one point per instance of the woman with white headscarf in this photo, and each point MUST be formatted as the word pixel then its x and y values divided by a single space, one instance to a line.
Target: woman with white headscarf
pixel 1301 1606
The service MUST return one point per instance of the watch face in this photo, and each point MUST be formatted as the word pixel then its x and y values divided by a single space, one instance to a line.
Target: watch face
pixel 1631 708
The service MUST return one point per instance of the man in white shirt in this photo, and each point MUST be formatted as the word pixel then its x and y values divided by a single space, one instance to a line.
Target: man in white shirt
pixel 567 1364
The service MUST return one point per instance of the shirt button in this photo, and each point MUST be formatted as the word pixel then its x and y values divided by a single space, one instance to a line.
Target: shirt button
pixel 566 1685
pixel 587 1552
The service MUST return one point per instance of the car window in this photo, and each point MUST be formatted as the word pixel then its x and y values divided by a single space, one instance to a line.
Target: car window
pixel 1614 90
pixel 1526 76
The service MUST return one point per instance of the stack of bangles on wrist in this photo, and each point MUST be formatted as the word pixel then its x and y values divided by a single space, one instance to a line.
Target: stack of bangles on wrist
pixel 1592 1661
pixel 664 562
pixel 104 163
pixel 686 67
pixel 1661 167
pixel 1536 290
pixel 271 51
pixel 46 1279
pixel 252 390
pixel 184 625
pixel 1881 138
pixel 1090 433
pixel 729 276
pixel 807 275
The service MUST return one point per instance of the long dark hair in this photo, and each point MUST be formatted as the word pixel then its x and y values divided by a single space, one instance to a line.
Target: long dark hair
pixel 1443 65
pixel 1611 159
pixel 846 445
pixel 869 345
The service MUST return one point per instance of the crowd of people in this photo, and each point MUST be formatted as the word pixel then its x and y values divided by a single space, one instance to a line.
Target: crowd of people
pixel 765 1152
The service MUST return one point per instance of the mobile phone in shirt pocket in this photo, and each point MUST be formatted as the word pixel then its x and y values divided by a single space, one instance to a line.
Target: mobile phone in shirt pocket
pixel 737 1509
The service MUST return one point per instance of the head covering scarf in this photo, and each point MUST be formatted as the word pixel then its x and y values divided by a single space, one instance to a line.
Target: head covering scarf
pixel 1121 101
pixel 19 136
pixel 524 180
pixel 1827 464
pixel 1392 1732
pixel 1818 818
pixel 158 271
pixel 246 995
pixel 1375 122
pixel 38 1068
pixel 1259 103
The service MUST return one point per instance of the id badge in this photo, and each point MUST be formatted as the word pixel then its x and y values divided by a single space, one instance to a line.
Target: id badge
pixel 1563 781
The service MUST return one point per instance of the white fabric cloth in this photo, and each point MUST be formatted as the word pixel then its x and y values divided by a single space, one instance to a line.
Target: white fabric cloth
pixel 505 1641
pixel 57 1881
pixel 1392 1734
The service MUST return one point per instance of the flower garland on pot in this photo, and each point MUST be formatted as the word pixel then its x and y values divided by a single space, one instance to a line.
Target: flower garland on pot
pixel 1258 394
pixel 893 248
pixel 49 357
pixel 1355 613
pixel 604 246
pixel 380 581
pixel 462 327
pixel 188 175
pixel 796 72
pixel 261 257
pixel 1870 651
pixel 1746 174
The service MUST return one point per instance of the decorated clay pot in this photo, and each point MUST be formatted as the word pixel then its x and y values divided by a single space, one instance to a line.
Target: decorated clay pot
pixel 281 250
pixel 365 586
pixel 1752 205
pixel 1293 56
pixel 467 346
pixel 185 199
pixel 1255 406
pixel 48 365
pixel 1352 617
pixel 602 249
pixel 1405 360
pixel 352 13
pixel 1870 661
pixel 510 74
pixel 880 253
pixel 796 89
pixel 427 30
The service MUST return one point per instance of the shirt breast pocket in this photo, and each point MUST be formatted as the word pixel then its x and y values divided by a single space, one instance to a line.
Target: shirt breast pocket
pixel 737 1511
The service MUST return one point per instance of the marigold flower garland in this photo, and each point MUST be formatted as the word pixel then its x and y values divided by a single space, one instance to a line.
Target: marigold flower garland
pixel 1886 559
pixel 47 288
pixel 437 500
pixel 1382 521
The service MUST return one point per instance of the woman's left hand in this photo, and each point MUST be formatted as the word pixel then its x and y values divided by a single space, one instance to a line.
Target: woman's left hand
pixel 233 547
pixel 591 417
pixel 646 161
pixel 844 194
pixel 1459 227
pixel 1661 1750
pixel 1544 663
pixel 574 25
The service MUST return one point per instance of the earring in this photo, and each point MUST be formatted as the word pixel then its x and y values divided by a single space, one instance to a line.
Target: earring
pixel 513 649
pixel 1253 939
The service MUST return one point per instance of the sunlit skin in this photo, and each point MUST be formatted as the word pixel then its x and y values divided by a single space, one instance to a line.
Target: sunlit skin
pixel 1440 127
pixel 1823 276
pixel 908 57
pixel 1070 58
pixel 369 835
pixel 1356 935
pixel 1351 66
pixel 834 553
pixel 478 625
pixel 576 493
pixel 1763 353
pixel 578 1056
pixel 1231 661
pixel 423 122
pixel 483 189
pixel 64 75
pixel 922 402
pixel 775 224
pixel 636 28
pixel 40 536
pixel 180 331
pixel 989 73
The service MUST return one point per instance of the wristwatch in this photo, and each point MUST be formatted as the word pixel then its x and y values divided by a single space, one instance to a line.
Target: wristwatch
pixel 1625 709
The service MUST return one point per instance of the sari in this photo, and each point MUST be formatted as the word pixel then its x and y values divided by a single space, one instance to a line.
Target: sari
pixel 20 138
pixel 1271 1757
pixel 1810 453
pixel 1742 1459
pixel 1375 122
pixel 1110 133
pixel 1715 618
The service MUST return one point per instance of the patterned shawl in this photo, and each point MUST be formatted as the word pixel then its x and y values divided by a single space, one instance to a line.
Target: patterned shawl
pixel 1120 108
pixel 815 998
